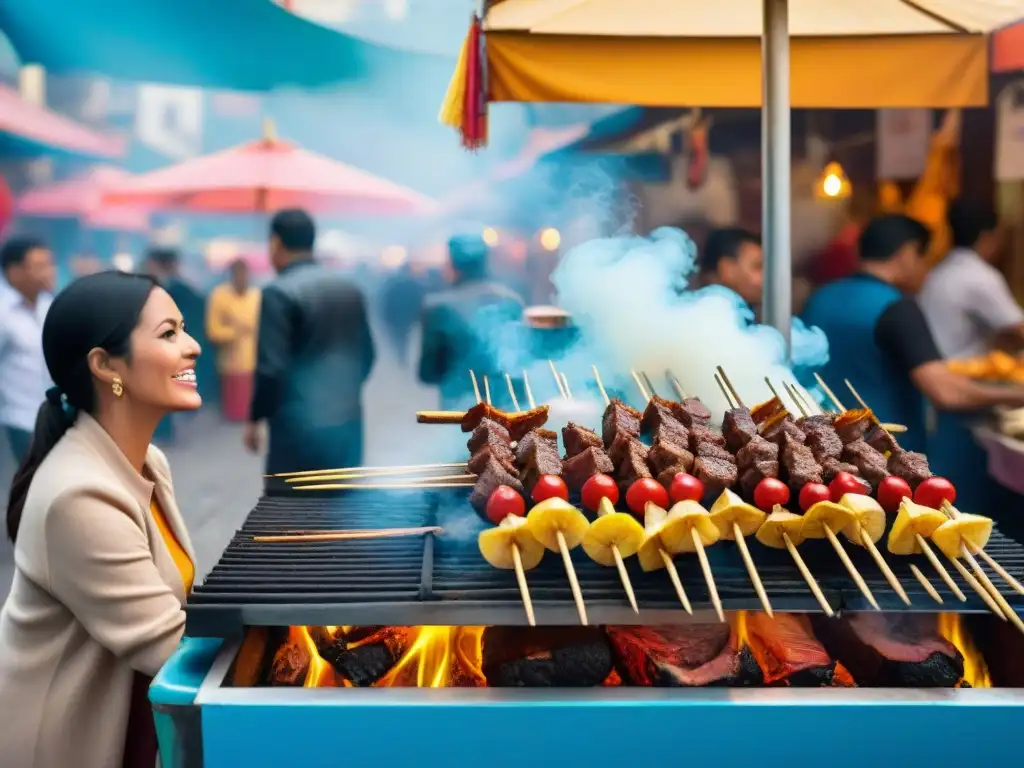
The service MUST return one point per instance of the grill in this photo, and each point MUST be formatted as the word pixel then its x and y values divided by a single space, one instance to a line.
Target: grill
pixel 443 580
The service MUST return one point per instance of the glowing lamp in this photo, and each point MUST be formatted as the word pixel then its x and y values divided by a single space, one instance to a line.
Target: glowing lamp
pixel 833 183
pixel 550 239
pixel 490 236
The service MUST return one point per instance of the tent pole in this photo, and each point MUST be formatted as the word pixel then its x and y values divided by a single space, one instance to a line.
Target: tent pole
pixel 776 191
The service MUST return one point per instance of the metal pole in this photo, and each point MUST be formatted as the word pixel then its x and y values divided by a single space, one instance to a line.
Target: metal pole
pixel 775 166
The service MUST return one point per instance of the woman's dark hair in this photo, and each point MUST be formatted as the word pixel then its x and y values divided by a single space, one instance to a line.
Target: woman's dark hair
pixel 97 311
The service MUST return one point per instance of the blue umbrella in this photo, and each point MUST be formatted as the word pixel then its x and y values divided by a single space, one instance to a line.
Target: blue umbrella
pixel 249 45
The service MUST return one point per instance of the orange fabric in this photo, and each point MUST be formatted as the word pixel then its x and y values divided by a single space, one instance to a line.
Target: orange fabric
pixel 833 72
pixel 186 567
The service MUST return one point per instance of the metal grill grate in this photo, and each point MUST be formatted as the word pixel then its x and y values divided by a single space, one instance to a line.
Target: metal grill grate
pixel 443 580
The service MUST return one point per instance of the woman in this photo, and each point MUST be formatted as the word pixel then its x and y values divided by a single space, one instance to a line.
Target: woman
pixel 102 559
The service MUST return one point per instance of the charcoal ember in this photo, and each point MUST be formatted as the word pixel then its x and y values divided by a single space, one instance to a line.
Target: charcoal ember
pixel 619 417
pixel 682 656
pixel 800 466
pixel 671 432
pixel 788 652
pixel 499 452
pixel 480 413
pixel 658 411
pixel 872 465
pixel 910 465
pixel 896 650
pixel 526 443
pixel 633 466
pixel 581 467
pixel 716 474
pixel 691 411
pixel 488 432
pixel 750 477
pixel 289 665
pixel 577 439
pixel 880 440
pixel 523 422
pixel 757 449
pixel 832 467
pixel 738 427
pixel 493 475
pixel 541 460
pixel 701 433
pixel 365 654
pixel 824 443
pixel 852 425
pixel 545 657
pixel 665 454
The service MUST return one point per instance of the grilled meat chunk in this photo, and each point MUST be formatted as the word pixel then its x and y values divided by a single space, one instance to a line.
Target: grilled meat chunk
pixel 577 439
pixel 487 481
pixel 871 463
pixel 801 468
pixel 881 440
pixel 542 459
pixel 667 475
pixel 672 432
pixel 526 442
pixel 619 417
pixel 701 433
pixel 481 411
pixel 577 469
pixel 499 452
pixel 910 465
pixel 658 410
pixel 633 465
pixel 486 433
pixel 761 412
pixel 665 454
pixel 712 451
pixel 716 474
pixel 831 467
pixel 782 426
pixel 738 427
pixel 757 449
pixel 851 425
pixel 753 475
pixel 691 411
pixel 526 421
pixel 824 443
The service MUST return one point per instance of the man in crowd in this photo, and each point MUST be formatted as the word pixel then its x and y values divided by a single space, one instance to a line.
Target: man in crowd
pixel 314 353
pixel 232 314
pixel 966 299
pixel 732 257
pixel 464 326
pixel 879 339
pixel 28 269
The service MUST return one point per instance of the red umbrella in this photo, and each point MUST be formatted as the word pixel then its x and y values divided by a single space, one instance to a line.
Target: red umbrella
pixel 82 198
pixel 269 175
pixel 48 129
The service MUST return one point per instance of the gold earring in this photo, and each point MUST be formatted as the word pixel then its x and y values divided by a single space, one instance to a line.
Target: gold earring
pixel 117 387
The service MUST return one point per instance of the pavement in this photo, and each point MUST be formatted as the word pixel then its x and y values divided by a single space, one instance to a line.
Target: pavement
pixel 218 482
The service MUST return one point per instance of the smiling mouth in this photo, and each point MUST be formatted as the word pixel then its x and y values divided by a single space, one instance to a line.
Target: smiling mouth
pixel 188 376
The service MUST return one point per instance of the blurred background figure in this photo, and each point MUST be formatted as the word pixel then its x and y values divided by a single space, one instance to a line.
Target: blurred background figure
pixel 28 270
pixel 232 314
pixel 732 257
pixel 463 326
pixel 314 353
pixel 401 304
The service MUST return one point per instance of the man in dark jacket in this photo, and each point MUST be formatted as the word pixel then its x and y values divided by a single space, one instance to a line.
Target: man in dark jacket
pixel 314 354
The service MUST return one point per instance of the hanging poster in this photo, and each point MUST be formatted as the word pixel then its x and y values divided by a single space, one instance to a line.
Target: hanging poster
pixel 902 142
pixel 1010 133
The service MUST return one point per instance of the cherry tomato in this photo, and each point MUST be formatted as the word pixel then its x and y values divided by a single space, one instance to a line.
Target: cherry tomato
pixel 642 491
pixel 503 502
pixel 596 488
pixel 891 491
pixel 812 493
pixel 549 487
pixel 933 491
pixel 770 492
pixel 844 483
pixel 686 487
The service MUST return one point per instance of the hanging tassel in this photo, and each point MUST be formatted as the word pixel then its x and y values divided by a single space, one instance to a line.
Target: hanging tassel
pixel 465 103
pixel 455 96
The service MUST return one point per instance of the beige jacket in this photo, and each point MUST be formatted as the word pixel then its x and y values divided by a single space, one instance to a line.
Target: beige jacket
pixel 96 596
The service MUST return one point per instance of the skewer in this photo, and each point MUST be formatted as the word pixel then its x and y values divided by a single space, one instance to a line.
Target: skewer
pixel 487 390
pixel 378 533
pixel 925 583
pixel 512 392
pixel 1007 609
pixel 940 568
pixel 708 576
pixel 408 469
pixel 883 566
pixel 411 481
pixel 678 388
pixel 565 386
pixel 952 511
pixel 529 392
pixel 574 583
pixel 640 385
pixel 983 593
pixel 728 384
pixel 600 385
pixel 850 567
pixel 812 583
pixel 476 387
pixel 382 486
pixel 829 392
pixel 647 381
pixel 558 380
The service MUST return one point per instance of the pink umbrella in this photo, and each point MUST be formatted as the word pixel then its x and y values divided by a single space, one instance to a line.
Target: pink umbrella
pixel 41 126
pixel 267 175
pixel 82 198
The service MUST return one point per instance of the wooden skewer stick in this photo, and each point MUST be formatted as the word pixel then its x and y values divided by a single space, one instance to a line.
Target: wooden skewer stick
pixel 558 380
pixel 512 392
pixel 729 398
pixel 953 512
pixel 992 590
pixel 755 577
pixel 939 568
pixel 650 386
pixel 487 390
pixel 565 386
pixel 295 481
pixel 574 583
pixel 524 589
pixel 673 576
pixel 974 584
pixel 529 392
pixel 380 533
pixel 381 486
pixel 728 384
pixel 812 583
pixel 640 385
pixel 400 469
pixel 850 567
pixel 926 584
pixel 708 576
pixel 831 395
pixel 678 388
pixel 600 385
pixel 883 566
pixel 476 387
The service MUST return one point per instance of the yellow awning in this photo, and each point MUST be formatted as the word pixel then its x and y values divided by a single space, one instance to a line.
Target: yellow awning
pixel 843 53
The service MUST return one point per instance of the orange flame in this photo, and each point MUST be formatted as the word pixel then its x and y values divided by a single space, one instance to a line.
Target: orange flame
pixel 951 627
pixel 320 674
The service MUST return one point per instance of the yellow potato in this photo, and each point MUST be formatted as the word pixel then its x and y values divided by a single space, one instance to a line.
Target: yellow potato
pixel 649 553
pixel 616 529
pixel 728 509
pixel 549 517
pixel 867 515
pixel 835 516
pixel 778 522
pixel 972 530
pixel 496 544
pixel 683 518
pixel 911 520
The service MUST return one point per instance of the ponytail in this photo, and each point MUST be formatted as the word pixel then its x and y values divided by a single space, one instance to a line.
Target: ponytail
pixel 53 420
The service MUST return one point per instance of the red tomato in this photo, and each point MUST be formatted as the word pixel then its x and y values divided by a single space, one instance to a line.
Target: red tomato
pixel 891 491
pixel 596 488
pixel 642 491
pixel 504 502
pixel 844 483
pixel 770 492
pixel 549 487
pixel 933 491
pixel 686 487
pixel 812 493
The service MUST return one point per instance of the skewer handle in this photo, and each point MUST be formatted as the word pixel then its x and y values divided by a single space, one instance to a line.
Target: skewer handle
pixel 476 387
pixel 529 392
pixel 974 584
pixel 600 385
pixel 524 590
pixel 640 385
pixel 940 568
pixel 558 380
pixel 831 395
pixel 851 568
pixel 439 417
pixel 708 576
pixel 812 583
pixel 624 578
pixel 883 566
pixel 923 580
pixel 755 577
pixel 673 576
pixel 512 393
pixel 351 535
pixel 574 583
pixel 487 389
pixel 996 594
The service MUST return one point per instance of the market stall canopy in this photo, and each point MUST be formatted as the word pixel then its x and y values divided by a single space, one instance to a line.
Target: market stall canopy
pixel 36 130
pixel 268 175
pixel 230 44
pixel 863 54
pixel 81 198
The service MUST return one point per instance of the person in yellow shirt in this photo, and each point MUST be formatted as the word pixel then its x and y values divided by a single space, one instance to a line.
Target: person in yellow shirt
pixel 232 317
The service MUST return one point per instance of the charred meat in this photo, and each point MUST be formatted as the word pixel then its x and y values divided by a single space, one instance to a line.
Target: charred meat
pixel 672 432
pixel 526 442
pixel 738 427
pixel 766 410
pixel 716 474
pixel 665 454
pixel 481 411
pixel 525 421
pixel 488 432
pixel 756 450
pixel 619 418
pixel 701 433
pixel 910 465
pixel 691 411
pixel 541 459
pixel 499 452
pixel 754 474
pixel 800 466
pixel 832 467
pixel 577 469
pixel 487 481
pixel 633 465
pixel 657 412
pixel 881 440
pixel 872 464
pixel 851 425
pixel 577 439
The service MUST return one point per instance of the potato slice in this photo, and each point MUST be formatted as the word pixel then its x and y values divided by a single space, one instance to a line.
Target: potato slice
pixel 867 514
pixel 614 529
pixel 835 516
pixel 649 553
pixel 912 519
pixel 684 517
pixel 496 544
pixel 729 508
pixel 972 530
pixel 778 522
pixel 549 517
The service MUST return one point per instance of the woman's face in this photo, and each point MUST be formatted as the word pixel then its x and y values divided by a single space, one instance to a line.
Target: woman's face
pixel 162 371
